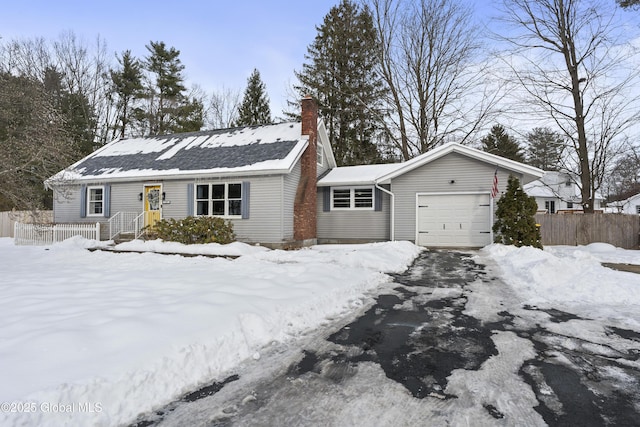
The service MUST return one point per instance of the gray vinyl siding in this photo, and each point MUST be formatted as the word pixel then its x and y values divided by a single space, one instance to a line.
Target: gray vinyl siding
pixel 325 163
pixel 66 205
pixel 354 225
pixel 265 215
pixel 289 190
pixel 270 211
pixel 469 176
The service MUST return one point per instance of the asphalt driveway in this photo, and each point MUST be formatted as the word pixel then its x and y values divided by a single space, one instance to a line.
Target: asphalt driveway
pixel 447 343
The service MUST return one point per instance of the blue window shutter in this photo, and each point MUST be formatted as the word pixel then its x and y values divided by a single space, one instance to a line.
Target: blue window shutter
pixel 83 201
pixel 246 186
pixel 326 199
pixel 377 199
pixel 190 199
pixel 106 202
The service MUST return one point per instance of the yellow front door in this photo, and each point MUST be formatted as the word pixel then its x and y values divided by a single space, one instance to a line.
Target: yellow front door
pixel 152 205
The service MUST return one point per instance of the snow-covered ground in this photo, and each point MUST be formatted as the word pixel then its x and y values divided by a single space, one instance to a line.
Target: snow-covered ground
pixel 573 279
pixel 95 338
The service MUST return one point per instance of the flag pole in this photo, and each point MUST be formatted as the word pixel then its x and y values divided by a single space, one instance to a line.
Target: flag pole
pixel 494 193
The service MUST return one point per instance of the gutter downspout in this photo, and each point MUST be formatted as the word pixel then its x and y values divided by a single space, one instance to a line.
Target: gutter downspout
pixel 393 210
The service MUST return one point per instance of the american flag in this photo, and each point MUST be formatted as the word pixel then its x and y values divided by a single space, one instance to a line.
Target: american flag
pixel 494 188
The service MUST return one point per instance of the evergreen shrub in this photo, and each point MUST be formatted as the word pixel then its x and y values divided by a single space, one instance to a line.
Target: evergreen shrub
pixel 193 230
pixel 515 217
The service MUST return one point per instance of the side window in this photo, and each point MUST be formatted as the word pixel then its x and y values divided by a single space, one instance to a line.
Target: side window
pixel 202 199
pixel 320 155
pixel 550 206
pixel 341 198
pixel 352 198
pixel 95 201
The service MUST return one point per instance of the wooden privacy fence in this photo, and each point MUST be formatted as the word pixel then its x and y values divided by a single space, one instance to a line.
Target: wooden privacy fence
pixel 616 229
pixel 8 218
pixel 46 234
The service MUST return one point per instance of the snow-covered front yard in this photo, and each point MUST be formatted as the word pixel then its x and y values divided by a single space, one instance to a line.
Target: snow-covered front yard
pixel 95 338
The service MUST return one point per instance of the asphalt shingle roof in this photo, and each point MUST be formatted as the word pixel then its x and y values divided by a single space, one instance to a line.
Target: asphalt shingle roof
pixel 269 147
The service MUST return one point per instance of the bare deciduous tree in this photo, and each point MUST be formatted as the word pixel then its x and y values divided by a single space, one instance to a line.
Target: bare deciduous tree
pixel 429 61
pixel 33 144
pixel 575 72
pixel 222 110
pixel 83 70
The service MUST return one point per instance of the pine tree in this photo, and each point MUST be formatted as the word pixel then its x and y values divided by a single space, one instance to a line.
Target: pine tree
pixel 515 217
pixel 127 87
pixel 168 110
pixel 500 143
pixel 545 149
pixel 254 109
pixel 341 74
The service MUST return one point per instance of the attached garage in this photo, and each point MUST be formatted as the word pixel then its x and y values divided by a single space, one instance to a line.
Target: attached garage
pixel 438 199
pixel 453 220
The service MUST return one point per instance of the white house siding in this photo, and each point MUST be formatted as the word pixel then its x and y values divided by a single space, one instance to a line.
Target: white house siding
pixel 353 225
pixel 469 176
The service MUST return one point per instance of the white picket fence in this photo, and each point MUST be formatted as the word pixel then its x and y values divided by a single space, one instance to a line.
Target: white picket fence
pixel 47 234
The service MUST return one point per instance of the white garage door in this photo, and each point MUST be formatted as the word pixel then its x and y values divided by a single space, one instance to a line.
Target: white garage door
pixel 454 220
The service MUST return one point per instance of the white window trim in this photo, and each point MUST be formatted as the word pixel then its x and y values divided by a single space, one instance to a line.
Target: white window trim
pixel 352 204
pixel 210 200
pixel 94 187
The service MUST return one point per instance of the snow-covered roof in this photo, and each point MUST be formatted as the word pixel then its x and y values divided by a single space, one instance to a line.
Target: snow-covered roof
pixel 538 189
pixel 383 173
pixel 357 175
pixel 559 185
pixel 245 150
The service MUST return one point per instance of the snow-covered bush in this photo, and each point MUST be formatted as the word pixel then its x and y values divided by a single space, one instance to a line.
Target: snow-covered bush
pixel 193 230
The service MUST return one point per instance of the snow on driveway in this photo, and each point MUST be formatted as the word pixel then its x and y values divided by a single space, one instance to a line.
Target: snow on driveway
pixel 94 338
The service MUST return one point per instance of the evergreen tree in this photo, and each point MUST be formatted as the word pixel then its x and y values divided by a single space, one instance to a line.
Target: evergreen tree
pixel 341 74
pixel 168 110
pixel 545 149
pixel 127 87
pixel 500 143
pixel 515 217
pixel 254 109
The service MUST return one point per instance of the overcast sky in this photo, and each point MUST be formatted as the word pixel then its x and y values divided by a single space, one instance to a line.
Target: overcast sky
pixel 221 41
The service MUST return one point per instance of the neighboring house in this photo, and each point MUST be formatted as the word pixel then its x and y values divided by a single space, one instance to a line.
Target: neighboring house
pixel 262 178
pixel 439 199
pixel 559 192
pixel 628 206
pixel 280 187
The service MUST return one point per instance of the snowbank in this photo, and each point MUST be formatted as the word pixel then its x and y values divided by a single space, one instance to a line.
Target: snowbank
pixel 573 278
pixel 95 338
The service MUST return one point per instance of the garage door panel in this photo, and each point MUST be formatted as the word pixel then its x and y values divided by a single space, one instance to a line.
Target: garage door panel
pixel 460 220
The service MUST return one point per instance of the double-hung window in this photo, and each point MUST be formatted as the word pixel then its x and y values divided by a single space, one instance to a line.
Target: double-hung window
pixel 219 199
pixel 352 198
pixel 95 201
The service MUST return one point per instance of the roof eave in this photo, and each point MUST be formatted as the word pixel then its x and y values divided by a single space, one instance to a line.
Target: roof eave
pixel 531 173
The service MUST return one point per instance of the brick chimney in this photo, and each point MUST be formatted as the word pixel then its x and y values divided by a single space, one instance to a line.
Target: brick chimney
pixel 304 209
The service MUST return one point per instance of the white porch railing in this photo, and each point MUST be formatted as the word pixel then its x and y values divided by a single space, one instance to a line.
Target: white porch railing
pixel 47 234
pixel 125 222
